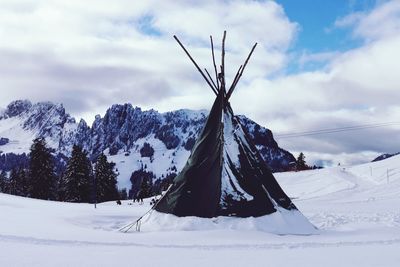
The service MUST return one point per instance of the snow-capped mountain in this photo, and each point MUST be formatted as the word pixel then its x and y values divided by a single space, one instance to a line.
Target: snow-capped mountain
pixel 157 143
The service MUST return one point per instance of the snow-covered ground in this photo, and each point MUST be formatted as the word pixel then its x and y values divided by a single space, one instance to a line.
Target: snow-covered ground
pixel 357 211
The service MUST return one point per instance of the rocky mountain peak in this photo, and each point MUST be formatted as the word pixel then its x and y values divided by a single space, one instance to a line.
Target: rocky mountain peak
pixel 16 108
pixel 127 134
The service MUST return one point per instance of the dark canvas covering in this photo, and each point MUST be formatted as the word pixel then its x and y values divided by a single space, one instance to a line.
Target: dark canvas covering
pixel 225 174
pixel 216 181
pixel 196 190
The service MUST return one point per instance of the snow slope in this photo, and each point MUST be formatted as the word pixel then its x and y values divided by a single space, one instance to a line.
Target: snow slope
pixel 358 216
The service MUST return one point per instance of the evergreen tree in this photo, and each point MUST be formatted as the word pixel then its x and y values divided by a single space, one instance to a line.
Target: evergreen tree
pixel 60 186
pixel 105 180
pixel 301 162
pixel 137 182
pixel 3 182
pixel 41 171
pixel 76 181
pixel 23 186
pixel 12 182
pixel 145 189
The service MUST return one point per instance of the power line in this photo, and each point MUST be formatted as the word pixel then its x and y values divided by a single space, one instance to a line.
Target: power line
pixel 336 130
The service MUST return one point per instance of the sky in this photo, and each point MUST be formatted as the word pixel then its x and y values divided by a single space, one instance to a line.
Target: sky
pixel 318 64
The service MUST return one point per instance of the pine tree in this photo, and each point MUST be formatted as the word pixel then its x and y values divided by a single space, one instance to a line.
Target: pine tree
pixel 105 180
pixel 85 172
pixel 76 181
pixel 301 162
pixel 60 186
pixel 145 189
pixel 41 171
pixel 137 182
pixel 3 182
pixel 12 182
pixel 23 185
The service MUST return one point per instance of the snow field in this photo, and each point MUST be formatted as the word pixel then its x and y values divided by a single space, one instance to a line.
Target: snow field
pixel 357 215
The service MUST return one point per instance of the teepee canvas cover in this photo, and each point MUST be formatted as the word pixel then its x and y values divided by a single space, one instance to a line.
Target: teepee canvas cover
pixel 225 174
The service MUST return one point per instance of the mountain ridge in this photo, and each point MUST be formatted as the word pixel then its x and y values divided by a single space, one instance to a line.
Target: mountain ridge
pixel 121 133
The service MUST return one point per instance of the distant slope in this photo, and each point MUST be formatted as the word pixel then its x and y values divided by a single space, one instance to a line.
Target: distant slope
pixel 385 156
pixel 363 182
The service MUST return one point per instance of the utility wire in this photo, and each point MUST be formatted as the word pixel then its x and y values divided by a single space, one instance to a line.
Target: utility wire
pixel 336 130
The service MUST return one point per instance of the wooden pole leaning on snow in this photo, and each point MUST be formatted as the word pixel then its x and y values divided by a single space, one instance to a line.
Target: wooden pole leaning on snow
pixel 239 74
pixel 138 222
pixel 197 66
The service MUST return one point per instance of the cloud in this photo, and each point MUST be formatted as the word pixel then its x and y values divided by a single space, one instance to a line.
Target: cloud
pixel 92 54
pixel 381 22
pixel 97 53
pixel 360 86
pixel 322 57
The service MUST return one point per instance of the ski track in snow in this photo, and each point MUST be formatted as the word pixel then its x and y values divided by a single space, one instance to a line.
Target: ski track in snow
pixel 52 242
pixel 327 220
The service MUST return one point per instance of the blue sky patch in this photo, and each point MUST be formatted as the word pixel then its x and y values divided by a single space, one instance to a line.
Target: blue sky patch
pixel 145 25
pixel 317 33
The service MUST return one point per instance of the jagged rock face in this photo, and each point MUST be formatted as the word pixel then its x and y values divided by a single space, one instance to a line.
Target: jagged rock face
pixel 122 132
pixel 17 107
pixel 121 126
pixel 47 119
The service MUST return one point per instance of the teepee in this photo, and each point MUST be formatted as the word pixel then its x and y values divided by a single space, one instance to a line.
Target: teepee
pixel 225 174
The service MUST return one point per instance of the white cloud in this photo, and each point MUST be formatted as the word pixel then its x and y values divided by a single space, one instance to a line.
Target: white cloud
pixel 91 54
pixel 322 57
pixel 360 86
pixel 99 49
pixel 381 22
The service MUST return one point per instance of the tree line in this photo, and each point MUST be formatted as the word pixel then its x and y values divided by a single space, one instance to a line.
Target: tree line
pixel 81 181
